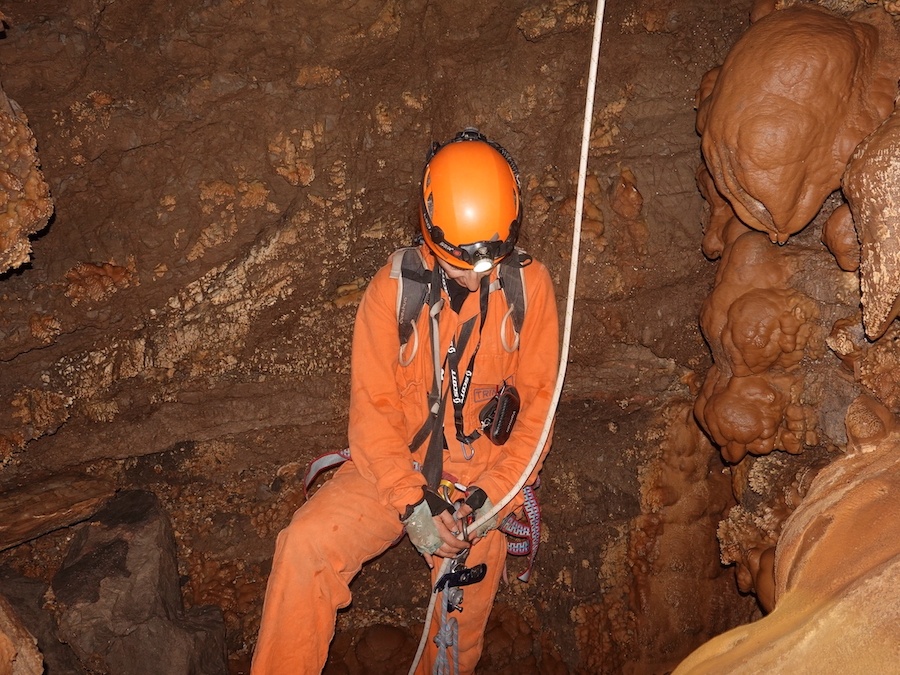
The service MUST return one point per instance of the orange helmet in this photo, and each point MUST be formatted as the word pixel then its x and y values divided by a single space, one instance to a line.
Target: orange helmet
pixel 471 207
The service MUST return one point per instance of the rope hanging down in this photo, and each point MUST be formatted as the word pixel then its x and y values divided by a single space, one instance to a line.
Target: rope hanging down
pixel 570 301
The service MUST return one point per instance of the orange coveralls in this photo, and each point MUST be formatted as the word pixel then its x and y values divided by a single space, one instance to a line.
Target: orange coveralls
pixel 356 514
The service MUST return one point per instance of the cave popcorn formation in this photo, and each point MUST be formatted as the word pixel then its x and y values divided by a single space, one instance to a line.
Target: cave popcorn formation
pixel 24 195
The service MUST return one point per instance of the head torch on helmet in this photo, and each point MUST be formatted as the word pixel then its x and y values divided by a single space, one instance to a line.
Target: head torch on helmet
pixel 470 209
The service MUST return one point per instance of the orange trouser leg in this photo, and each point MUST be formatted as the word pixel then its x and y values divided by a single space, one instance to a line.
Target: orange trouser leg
pixel 477 602
pixel 329 538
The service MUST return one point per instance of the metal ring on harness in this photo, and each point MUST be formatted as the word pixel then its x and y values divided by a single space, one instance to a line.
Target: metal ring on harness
pixel 503 340
pixel 414 338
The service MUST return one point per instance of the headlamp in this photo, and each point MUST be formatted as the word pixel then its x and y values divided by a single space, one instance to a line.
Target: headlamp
pixel 481 255
pixel 482 260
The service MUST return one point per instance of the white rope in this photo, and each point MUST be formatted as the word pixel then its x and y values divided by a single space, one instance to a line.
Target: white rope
pixel 567 323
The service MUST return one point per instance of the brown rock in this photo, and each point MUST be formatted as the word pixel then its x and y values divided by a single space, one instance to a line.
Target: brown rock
pixel 381 646
pixel 837 568
pixel 59 501
pixel 18 653
pixel 118 599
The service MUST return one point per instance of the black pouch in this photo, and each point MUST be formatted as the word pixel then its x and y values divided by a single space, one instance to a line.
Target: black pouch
pixel 498 417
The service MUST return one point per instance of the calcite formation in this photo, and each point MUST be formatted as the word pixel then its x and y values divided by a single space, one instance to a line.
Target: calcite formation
pixel 795 96
pixel 25 203
pixel 722 225
pixel 872 187
pixel 769 489
pixel 759 329
pixel 797 129
pixel 836 569
pixel 668 552
pixel 839 236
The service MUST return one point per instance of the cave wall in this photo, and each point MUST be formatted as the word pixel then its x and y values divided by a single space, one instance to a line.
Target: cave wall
pixel 225 178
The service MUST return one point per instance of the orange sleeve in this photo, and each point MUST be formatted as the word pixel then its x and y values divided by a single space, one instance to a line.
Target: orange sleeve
pixel 535 380
pixel 377 427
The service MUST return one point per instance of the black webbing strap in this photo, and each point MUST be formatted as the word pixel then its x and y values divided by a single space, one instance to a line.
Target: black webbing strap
pixel 434 454
pixel 433 466
pixel 460 390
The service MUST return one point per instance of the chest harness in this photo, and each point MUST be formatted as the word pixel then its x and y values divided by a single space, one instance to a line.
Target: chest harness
pixel 414 283
pixel 457 389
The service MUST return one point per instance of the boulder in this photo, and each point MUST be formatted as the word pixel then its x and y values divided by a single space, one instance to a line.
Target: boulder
pixel 118 600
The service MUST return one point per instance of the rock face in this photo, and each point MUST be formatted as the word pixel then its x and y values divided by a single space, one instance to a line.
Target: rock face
pixel 227 176
pixel 837 568
pixel 18 653
pixel 118 601
pixel 62 500
pixel 27 597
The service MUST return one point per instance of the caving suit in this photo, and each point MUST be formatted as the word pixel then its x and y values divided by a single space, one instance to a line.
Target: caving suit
pixel 356 514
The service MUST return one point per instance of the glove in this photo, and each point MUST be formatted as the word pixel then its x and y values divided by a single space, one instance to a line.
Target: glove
pixel 419 522
pixel 481 504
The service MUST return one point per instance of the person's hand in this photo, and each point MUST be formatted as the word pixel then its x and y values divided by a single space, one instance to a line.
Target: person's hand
pixel 434 529
pixel 449 526
pixel 479 504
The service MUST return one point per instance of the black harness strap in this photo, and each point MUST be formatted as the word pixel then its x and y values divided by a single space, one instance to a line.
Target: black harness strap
pixel 460 390
pixel 434 454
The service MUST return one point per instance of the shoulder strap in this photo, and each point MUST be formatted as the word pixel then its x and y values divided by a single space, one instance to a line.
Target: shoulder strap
pixel 512 281
pixel 413 280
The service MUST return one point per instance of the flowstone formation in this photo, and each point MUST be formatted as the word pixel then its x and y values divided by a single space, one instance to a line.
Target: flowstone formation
pixel 872 187
pixel 791 102
pixel 801 147
pixel 837 568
